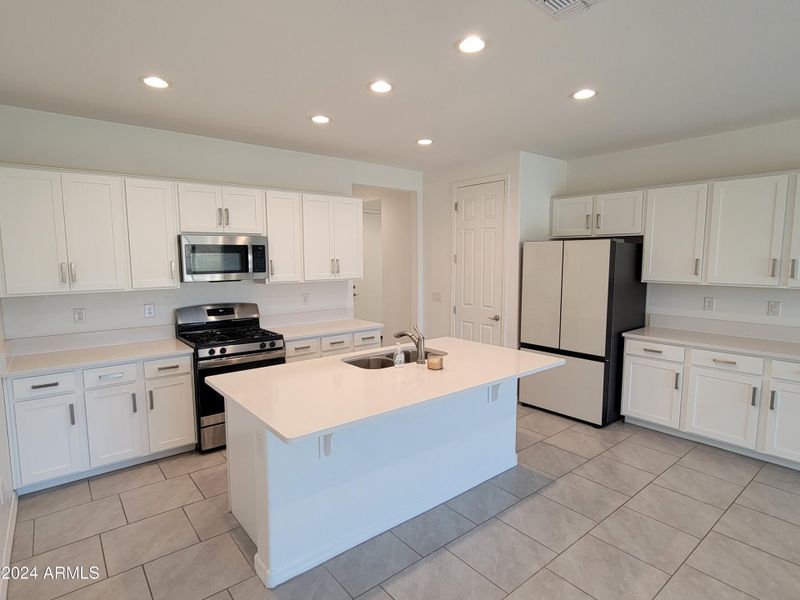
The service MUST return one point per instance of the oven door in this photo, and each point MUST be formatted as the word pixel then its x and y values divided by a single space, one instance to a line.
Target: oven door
pixel 216 257
pixel 211 404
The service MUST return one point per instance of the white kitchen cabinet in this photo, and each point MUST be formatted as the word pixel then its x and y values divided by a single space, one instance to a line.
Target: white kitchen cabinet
pixel 723 406
pixel 674 234
pixel 651 390
pixel 116 423
pixel 152 233
pixel 332 238
pixel 200 208
pixel 794 250
pixel 746 231
pixel 51 437
pixel 783 420
pixel 348 231
pixel 572 217
pixel 32 232
pixel 618 214
pixel 285 235
pixel 243 210
pixel 170 412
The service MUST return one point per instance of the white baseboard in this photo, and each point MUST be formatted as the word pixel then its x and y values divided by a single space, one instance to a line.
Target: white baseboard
pixel 8 542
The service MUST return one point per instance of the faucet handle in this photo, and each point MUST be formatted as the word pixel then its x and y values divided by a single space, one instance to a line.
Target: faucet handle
pixel 418 332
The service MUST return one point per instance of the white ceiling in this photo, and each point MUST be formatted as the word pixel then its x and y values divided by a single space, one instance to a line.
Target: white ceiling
pixel 255 70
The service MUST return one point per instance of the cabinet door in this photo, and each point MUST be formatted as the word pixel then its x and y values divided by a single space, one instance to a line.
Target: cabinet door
pixel 152 233
pixel 651 391
pixel 794 252
pixel 674 234
pixel 97 243
pixel 348 231
pixel 723 406
pixel 116 424
pixel 285 235
pixel 571 217
pixel 170 412
pixel 200 208
pixel 51 438
pixel 243 210
pixel 32 232
pixel 746 233
pixel 618 214
pixel 318 256
pixel 783 421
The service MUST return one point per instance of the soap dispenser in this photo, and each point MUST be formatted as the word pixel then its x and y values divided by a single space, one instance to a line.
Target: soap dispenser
pixel 399 356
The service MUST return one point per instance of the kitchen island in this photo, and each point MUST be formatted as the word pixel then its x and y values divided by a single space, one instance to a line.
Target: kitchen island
pixel 323 455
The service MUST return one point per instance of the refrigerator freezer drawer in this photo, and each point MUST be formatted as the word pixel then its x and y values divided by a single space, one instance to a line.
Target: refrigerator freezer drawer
pixel 574 390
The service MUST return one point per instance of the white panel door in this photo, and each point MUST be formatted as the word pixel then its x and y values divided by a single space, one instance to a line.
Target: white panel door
pixel 480 222
pixel 571 217
pixel 51 437
pixel 116 422
pixel 97 232
pixel 746 234
pixel 348 237
pixel 170 412
pixel 651 391
pixel 32 232
pixel 783 421
pixel 200 208
pixel 619 213
pixel 584 296
pixel 152 233
pixel 674 234
pixel 285 235
pixel 318 263
pixel 723 406
pixel 794 252
pixel 243 210
pixel 541 293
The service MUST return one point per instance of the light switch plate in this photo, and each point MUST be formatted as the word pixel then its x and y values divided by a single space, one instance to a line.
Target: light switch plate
pixel 437 296
pixel 773 308
pixel 79 315
pixel 149 311
pixel 709 303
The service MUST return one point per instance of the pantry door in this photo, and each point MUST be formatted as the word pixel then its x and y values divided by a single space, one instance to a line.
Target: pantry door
pixel 478 258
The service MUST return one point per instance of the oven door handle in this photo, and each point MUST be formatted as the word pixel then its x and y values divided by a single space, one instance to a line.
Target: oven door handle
pixel 239 360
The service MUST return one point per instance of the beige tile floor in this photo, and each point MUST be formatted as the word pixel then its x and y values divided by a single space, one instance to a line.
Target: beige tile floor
pixel 621 512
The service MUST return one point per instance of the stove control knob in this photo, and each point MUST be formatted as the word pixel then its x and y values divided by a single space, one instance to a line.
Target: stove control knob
pixel 262 345
pixel 272 344
pixel 223 350
pixel 212 352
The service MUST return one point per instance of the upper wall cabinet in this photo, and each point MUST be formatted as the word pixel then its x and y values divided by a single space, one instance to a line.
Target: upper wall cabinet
pixel 601 216
pixel 332 238
pixel 285 235
pixel 674 234
pixel 793 270
pixel 153 233
pixel 746 231
pixel 213 208
pixel 572 217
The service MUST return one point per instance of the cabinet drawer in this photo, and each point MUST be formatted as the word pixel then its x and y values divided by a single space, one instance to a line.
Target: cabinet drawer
pixel 786 370
pixel 306 348
pixel 109 375
pixel 167 366
pixel 43 385
pixel 729 362
pixel 367 338
pixel 651 350
pixel 336 343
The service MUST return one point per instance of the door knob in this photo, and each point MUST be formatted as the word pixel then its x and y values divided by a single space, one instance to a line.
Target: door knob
pixel 495 318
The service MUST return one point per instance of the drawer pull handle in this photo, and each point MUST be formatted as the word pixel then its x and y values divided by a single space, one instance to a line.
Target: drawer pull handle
pixel 753 400
pixel 169 368
pixel 677 380
pixel 772 399
pixel 368 337
pixel 72 414
pixel 302 347
pixel 653 350
pixel 150 393
pixel 336 343
pixel 41 386
pixel 133 401
pixel 723 361
pixel 110 376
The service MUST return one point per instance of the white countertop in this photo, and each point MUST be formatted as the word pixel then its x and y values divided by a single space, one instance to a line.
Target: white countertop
pixel 299 399
pixel 97 355
pixel 305 330
pixel 698 339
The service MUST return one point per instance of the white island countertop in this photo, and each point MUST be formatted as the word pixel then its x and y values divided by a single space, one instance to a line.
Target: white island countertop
pixel 305 330
pixel 301 399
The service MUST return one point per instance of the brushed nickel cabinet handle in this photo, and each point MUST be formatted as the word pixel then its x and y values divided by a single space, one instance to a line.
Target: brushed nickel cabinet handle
pixel 588 221
pixel 302 347
pixel 722 361
pixel 133 401
pixel 172 270
pixel 227 217
pixel 150 394
pixel 697 266
pixel 338 266
pixel 597 221
pixel 72 414
pixel 773 268
pixel 333 266
pixel 271 267
pixel 336 343
pixel 117 375
pixel 63 268
pixel 793 274
pixel 772 400
pixel 73 272
pixel 653 350
pixel 219 217
pixel 168 368
pixel 369 337
pixel 677 380
pixel 41 386
pixel 753 399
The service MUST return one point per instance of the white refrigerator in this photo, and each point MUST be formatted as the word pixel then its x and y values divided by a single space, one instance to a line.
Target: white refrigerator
pixel 578 296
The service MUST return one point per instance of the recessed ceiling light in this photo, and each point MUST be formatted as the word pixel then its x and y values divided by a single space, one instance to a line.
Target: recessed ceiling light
pixel 321 119
pixel 380 86
pixel 584 94
pixel 424 142
pixel 154 81
pixel 471 44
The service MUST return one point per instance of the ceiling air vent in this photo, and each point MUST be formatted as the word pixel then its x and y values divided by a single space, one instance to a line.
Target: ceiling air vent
pixel 561 9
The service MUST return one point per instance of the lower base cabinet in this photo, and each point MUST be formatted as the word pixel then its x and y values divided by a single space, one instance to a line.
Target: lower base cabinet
pixel 652 391
pixel 783 421
pixel 117 424
pixel 170 412
pixel 51 437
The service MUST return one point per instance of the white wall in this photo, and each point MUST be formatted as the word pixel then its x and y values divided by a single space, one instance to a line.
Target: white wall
pixel 369 303
pixel 540 178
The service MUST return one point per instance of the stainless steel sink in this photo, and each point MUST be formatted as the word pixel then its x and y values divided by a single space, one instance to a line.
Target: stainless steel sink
pixel 386 358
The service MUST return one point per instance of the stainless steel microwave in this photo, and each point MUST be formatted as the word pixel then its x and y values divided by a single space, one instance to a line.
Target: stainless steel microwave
pixel 211 257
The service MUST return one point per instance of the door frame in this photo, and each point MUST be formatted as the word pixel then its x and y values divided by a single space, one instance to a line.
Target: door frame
pixel 506 179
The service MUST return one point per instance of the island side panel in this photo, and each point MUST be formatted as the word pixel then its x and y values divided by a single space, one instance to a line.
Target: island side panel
pixel 380 473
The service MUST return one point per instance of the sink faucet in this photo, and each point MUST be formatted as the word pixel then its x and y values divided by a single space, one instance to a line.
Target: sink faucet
pixel 418 339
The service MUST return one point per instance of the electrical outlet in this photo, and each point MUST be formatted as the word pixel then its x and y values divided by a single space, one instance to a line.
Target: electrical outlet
pixel 305 298
pixel 709 303
pixel 149 311
pixel 773 308
pixel 437 296
pixel 79 315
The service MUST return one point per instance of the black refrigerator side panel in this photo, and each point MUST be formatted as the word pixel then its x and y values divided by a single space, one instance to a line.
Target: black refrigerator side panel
pixel 627 297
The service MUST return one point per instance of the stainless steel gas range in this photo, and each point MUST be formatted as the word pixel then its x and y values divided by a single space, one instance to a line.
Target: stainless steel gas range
pixel 225 338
